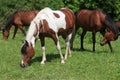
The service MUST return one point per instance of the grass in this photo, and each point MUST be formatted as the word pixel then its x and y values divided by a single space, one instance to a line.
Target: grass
pixel 82 65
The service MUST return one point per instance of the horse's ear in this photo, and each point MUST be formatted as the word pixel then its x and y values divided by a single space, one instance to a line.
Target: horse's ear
pixel 2 28
pixel 27 44
pixel 31 44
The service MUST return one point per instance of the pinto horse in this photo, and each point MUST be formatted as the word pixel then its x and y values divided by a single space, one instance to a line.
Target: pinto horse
pixel 19 20
pixel 96 21
pixel 48 23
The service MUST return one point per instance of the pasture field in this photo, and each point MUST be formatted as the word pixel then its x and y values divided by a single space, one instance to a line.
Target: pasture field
pixel 82 65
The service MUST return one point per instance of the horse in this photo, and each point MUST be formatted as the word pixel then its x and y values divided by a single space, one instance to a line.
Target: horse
pixel 19 19
pixel 95 21
pixel 0 27
pixel 49 23
pixel 118 25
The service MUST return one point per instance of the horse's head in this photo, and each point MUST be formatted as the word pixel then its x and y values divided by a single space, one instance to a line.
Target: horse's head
pixel 5 34
pixel 112 33
pixel 109 36
pixel 27 51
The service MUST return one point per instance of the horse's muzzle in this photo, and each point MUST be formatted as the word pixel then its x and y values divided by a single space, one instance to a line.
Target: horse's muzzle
pixel 101 43
pixel 23 65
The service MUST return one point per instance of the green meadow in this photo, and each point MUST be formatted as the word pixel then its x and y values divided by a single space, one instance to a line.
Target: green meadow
pixel 82 65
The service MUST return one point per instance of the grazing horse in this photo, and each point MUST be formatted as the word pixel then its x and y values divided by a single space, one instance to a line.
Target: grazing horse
pixel 112 33
pixel 49 23
pixel 19 20
pixel 118 25
pixel 0 27
pixel 95 21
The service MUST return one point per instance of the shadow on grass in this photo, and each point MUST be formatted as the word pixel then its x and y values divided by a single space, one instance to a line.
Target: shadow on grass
pixel 49 58
pixel 77 49
pixel 87 50
pixel 52 56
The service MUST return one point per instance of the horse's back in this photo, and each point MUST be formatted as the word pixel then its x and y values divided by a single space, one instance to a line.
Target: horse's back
pixel 90 19
pixel 56 19
pixel 82 17
pixel 24 18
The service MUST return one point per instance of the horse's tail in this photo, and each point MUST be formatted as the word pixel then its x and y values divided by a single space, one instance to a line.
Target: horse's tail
pixel 109 22
pixel 73 37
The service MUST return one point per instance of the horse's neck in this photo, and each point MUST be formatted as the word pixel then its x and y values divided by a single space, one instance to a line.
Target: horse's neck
pixel 9 24
pixel 30 34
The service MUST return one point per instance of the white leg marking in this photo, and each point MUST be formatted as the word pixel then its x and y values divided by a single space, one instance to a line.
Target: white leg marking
pixel 68 51
pixel 44 55
pixel 59 49
pixel 22 62
pixel 67 48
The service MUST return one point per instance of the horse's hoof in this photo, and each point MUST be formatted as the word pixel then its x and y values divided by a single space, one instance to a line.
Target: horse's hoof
pixel 62 61
pixel 42 62
pixel 93 50
pixel 101 44
pixel 82 49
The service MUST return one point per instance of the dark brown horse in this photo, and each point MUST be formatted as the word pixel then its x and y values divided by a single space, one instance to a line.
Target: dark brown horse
pixel 118 25
pixel 48 23
pixel 0 27
pixel 19 20
pixel 96 21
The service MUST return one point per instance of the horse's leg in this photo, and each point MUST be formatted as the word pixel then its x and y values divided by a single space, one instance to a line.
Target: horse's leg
pixel 22 29
pixel 56 40
pixel 68 51
pixel 15 31
pixel 42 40
pixel 72 38
pixel 110 46
pixel 82 37
pixel 94 39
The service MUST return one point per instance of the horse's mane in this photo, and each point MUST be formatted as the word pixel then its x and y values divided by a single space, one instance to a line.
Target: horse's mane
pixel 9 22
pixel 112 25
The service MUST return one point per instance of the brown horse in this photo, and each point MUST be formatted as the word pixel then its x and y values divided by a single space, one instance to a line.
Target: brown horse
pixel 19 20
pixel 96 21
pixel 118 25
pixel 0 27
pixel 48 23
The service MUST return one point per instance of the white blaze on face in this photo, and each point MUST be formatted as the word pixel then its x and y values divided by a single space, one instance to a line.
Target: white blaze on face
pixel 22 62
